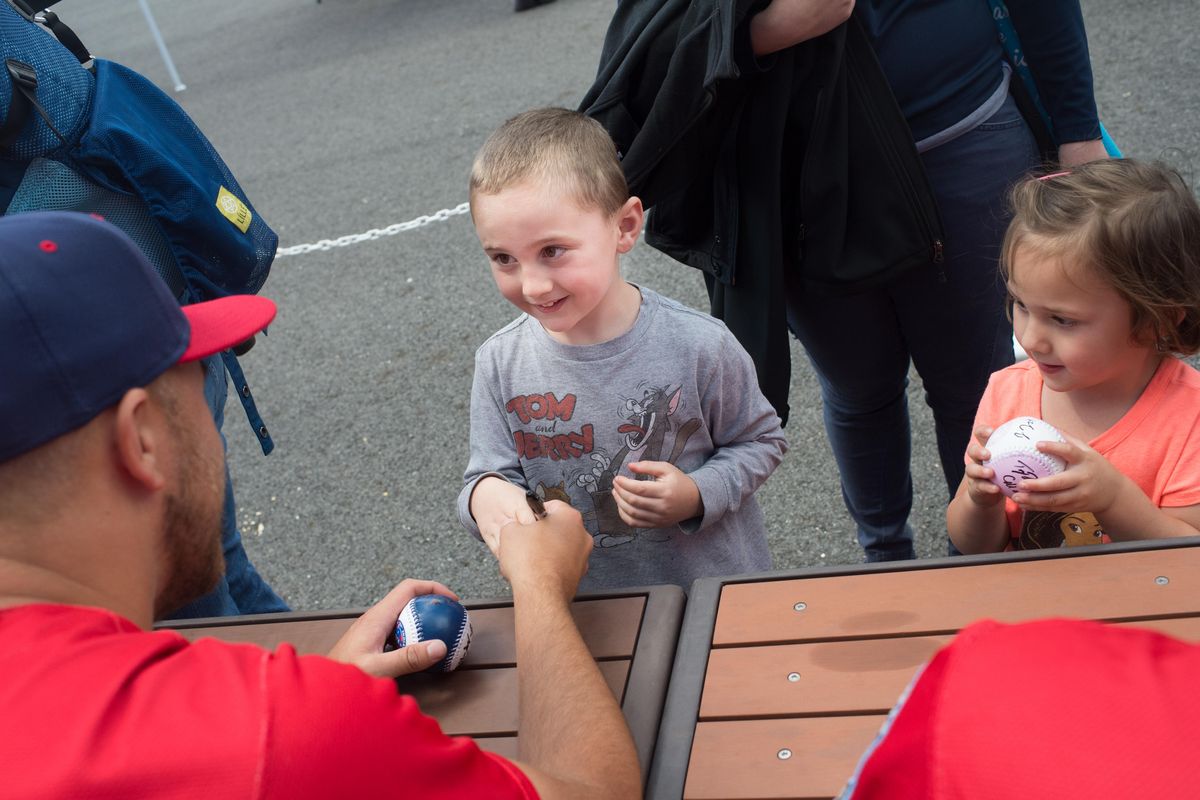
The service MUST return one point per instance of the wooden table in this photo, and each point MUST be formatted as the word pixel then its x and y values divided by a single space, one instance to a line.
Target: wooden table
pixel 782 680
pixel 632 635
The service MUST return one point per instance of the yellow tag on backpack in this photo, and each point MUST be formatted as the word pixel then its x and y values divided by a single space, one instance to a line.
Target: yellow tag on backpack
pixel 234 209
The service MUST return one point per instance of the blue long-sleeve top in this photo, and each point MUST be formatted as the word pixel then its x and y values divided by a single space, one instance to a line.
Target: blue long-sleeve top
pixel 942 59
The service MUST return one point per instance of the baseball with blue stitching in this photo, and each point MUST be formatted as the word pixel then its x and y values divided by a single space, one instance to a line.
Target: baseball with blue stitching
pixel 434 616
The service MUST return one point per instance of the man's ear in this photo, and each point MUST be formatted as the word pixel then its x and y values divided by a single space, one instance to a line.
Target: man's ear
pixel 630 218
pixel 137 444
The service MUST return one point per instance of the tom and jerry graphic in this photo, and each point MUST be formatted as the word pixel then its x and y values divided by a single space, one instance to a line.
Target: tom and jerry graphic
pixel 544 428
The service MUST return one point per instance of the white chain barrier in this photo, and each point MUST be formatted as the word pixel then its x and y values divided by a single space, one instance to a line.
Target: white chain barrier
pixel 375 233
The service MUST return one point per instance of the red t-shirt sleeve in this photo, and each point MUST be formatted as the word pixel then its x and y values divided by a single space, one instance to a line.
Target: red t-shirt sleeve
pixel 1050 708
pixel 332 731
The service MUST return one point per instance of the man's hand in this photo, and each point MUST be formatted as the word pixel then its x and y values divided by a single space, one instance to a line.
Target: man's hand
pixel 362 644
pixel 574 741
pixel 551 553
pixel 669 498
pixel 784 23
pixel 494 503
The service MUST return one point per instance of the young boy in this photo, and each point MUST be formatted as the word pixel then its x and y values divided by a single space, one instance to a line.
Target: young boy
pixel 643 414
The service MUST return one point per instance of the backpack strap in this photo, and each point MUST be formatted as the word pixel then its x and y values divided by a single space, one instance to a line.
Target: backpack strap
pixel 64 34
pixel 24 76
pixel 242 388
pixel 36 11
pixel 24 97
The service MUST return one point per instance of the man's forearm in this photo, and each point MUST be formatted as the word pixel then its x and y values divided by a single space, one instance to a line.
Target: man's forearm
pixel 571 726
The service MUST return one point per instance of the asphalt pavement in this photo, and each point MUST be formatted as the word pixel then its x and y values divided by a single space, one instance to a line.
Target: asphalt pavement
pixel 348 116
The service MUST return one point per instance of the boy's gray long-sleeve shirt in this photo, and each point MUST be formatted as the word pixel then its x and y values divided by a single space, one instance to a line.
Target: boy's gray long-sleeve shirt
pixel 563 420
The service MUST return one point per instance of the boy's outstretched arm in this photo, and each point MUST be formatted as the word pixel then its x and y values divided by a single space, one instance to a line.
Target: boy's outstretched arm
pixel 493 490
pixel 975 518
pixel 494 503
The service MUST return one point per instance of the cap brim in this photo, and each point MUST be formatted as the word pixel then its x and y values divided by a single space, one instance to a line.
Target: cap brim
pixel 220 324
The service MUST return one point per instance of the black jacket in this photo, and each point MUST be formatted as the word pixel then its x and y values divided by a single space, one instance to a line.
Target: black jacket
pixel 794 170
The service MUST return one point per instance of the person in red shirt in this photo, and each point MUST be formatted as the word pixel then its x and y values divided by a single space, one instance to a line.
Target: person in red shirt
pixel 111 488
pixel 1047 708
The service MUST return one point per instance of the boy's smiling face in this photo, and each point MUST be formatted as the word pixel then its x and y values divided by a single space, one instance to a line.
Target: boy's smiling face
pixel 559 261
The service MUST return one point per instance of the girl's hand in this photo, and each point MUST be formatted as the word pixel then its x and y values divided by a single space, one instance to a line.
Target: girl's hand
pixel 980 489
pixel 1089 483
pixel 669 498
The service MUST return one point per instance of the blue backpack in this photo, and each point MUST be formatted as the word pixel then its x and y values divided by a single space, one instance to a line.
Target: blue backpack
pixel 84 134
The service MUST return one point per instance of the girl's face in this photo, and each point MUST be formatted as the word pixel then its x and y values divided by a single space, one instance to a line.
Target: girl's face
pixel 1076 327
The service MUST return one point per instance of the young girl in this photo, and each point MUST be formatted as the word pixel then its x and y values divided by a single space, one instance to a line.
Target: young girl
pixel 1103 271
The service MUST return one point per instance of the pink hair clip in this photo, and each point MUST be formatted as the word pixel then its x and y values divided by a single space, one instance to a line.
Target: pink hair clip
pixel 1054 175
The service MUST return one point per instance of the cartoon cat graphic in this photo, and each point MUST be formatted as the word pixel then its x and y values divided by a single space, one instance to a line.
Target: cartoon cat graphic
pixel 644 431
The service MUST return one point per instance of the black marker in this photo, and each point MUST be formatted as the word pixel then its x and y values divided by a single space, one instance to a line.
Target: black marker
pixel 535 505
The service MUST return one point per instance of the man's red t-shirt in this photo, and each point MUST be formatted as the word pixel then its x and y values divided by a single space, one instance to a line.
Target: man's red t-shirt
pixel 92 706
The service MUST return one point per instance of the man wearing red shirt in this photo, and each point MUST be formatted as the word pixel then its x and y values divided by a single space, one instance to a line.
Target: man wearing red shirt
pixel 111 485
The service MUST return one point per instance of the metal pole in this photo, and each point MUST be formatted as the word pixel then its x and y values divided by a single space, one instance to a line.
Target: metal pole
pixel 162 46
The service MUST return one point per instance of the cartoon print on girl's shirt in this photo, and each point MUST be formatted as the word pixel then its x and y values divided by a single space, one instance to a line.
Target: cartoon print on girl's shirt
pixel 1041 529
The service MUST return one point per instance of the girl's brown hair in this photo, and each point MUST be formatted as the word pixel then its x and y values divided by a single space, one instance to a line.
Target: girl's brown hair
pixel 561 147
pixel 1136 225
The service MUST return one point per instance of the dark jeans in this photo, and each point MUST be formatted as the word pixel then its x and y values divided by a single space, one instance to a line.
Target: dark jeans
pixel 954 330
pixel 241 590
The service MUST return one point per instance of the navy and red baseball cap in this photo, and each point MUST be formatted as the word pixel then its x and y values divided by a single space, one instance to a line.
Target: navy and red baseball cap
pixel 84 318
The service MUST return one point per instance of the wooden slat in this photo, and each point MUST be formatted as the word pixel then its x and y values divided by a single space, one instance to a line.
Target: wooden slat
pixel 857 676
pixel 741 759
pixel 477 702
pixel 1115 586
pixel 609 627
pixel 307 636
pixel 833 677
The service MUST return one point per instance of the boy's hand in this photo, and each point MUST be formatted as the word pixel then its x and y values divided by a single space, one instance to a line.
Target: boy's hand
pixel 495 503
pixel 1089 483
pixel 670 497
pixel 980 489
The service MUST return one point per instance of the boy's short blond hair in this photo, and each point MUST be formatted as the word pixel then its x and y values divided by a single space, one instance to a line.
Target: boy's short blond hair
pixel 558 146
pixel 1135 225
